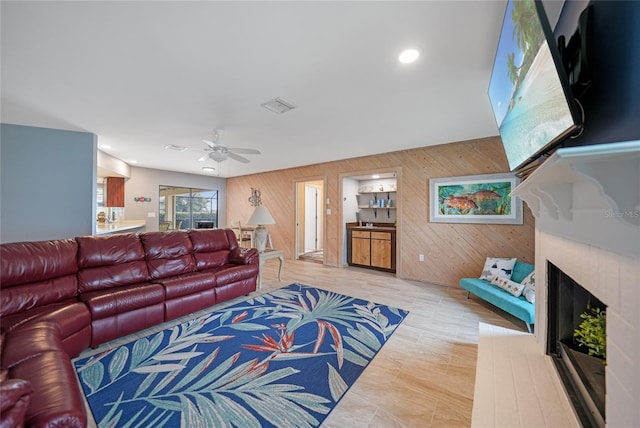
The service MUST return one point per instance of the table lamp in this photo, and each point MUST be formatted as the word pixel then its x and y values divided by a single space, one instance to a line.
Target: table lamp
pixel 260 217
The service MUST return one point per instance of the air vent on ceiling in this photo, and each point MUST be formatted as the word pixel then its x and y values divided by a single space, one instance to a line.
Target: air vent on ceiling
pixel 278 105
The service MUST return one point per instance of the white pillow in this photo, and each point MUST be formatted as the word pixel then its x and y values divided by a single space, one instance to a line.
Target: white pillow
pixel 497 266
pixel 514 288
pixel 529 291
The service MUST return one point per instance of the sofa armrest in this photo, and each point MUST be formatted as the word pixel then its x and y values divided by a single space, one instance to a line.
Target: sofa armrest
pixel 244 256
pixel 15 397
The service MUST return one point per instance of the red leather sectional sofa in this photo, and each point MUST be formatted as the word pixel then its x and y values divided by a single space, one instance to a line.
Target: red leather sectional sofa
pixel 60 297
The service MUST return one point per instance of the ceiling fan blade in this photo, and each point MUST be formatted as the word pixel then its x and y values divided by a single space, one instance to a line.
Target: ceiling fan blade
pixel 204 158
pixel 238 157
pixel 245 151
pixel 209 143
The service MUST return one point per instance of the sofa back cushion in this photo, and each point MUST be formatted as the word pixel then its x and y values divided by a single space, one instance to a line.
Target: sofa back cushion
pixel 521 270
pixel 168 253
pixel 36 274
pixel 211 247
pixel 110 261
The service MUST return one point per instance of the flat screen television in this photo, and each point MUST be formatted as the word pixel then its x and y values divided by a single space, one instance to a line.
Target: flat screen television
pixel 529 91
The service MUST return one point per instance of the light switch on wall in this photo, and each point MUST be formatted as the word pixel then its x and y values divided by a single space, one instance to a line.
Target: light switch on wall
pixel 328 211
pixel 151 214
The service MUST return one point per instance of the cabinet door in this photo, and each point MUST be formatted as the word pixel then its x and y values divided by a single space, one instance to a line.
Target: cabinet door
pixel 361 248
pixel 114 192
pixel 381 250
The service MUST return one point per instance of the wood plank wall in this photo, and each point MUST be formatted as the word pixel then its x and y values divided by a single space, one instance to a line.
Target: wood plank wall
pixel 451 251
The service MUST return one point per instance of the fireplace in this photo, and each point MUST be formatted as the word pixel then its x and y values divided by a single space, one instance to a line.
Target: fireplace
pixel 582 374
pixel 586 201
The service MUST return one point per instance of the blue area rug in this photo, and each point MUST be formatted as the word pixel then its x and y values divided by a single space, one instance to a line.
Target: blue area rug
pixel 280 359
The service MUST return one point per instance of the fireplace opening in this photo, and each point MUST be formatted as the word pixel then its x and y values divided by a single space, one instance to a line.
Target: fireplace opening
pixel 583 375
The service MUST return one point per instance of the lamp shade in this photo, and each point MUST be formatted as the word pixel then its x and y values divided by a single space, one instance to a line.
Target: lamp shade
pixel 260 216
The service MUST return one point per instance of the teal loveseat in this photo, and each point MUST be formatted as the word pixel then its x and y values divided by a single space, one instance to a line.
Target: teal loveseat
pixel 519 307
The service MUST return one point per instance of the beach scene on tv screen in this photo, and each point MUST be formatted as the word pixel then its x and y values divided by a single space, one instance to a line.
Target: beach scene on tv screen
pixel 525 91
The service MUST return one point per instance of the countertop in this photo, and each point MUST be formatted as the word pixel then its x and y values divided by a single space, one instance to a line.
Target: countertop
pixel 119 226
pixel 383 228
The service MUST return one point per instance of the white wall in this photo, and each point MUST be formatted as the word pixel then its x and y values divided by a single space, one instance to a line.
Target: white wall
pixel 349 209
pixel 109 166
pixel 47 183
pixel 145 182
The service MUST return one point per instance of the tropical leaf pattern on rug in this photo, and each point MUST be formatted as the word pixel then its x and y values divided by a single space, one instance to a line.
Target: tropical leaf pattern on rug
pixel 279 359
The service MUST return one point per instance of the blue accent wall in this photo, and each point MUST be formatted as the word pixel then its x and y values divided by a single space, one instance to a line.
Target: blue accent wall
pixel 47 183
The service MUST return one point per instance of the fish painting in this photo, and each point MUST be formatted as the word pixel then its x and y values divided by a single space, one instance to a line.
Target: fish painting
pixel 475 199
pixel 459 202
pixel 484 195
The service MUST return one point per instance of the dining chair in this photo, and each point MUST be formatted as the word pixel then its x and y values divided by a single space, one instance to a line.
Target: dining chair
pixel 244 236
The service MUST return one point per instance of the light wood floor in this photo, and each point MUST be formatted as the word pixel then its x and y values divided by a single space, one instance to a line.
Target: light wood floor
pixel 424 375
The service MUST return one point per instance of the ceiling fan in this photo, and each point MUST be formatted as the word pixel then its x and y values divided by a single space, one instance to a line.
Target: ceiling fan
pixel 219 152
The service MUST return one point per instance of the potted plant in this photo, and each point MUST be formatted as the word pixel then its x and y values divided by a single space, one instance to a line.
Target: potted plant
pixel 591 333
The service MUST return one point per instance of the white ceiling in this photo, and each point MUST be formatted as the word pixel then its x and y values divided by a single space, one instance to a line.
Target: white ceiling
pixel 145 74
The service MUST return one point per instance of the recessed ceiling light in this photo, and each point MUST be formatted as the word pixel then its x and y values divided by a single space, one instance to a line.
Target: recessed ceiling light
pixel 174 147
pixel 208 168
pixel 408 56
pixel 104 146
pixel 133 161
pixel 375 176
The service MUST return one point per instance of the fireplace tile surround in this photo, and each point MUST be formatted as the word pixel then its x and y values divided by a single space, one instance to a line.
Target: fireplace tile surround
pixel 586 202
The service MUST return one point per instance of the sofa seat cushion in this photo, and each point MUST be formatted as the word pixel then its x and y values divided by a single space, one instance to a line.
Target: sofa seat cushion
pixel 56 399
pixel 191 283
pixel 226 292
pixel 231 273
pixel 118 300
pixel 516 306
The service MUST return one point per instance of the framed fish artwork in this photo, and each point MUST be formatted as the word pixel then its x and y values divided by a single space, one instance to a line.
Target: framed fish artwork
pixel 475 199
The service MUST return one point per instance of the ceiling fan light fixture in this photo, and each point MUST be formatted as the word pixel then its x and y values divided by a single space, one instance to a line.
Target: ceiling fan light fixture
pixel 278 105
pixel 176 148
pixel 218 156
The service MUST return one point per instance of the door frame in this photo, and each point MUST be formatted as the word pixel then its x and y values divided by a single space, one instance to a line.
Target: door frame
pixel 342 230
pixel 298 183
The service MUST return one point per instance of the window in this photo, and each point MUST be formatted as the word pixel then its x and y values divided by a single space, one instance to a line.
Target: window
pixel 186 208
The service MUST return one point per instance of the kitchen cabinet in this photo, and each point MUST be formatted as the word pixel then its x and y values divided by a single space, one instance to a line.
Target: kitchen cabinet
pixel 372 247
pixel 381 250
pixel 114 192
pixel 361 248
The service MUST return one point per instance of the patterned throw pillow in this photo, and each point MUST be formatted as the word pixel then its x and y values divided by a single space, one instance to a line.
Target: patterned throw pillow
pixel 497 266
pixel 529 291
pixel 514 288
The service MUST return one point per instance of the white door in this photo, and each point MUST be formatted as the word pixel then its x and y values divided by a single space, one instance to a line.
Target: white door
pixel 311 231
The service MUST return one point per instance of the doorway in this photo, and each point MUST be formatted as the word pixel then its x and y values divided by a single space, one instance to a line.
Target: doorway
pixel 310 221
